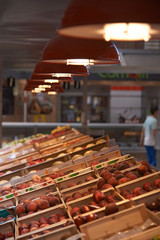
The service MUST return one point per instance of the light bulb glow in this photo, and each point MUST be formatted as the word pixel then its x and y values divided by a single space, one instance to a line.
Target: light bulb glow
pixel 34 91
pixel 124 31
pixel 51 81
pixel 61 75
pixel 40 89
pixel 83 62
pixel 52 93
pixel 44 86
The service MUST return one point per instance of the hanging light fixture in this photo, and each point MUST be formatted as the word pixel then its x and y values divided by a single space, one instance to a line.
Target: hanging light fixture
pixel 46 78
pixel 112 20
pixel 36 88
pixel 75 51
pixel 60 70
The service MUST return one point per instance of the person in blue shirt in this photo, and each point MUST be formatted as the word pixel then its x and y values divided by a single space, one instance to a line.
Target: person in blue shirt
pixel 148 135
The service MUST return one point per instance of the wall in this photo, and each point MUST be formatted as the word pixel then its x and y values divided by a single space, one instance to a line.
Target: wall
pixel 126 101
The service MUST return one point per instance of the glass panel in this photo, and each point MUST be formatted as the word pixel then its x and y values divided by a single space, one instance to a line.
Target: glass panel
pixel 71 108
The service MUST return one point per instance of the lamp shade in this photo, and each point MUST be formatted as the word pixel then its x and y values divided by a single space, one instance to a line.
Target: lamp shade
pixel 53 69
pixel 53 87
pixel 43 77
pixel 137 20
pixel 37 83
pixel 77 51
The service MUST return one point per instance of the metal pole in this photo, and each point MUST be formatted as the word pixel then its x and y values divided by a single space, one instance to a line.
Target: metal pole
pixel 158 133
pixel 84 115
pixel 1 80
pixel 25 107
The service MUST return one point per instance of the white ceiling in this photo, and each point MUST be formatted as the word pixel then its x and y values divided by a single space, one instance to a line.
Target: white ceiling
pixel 26 26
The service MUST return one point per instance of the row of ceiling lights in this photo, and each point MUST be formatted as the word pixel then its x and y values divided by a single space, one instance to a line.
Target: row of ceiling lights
pixel 84 39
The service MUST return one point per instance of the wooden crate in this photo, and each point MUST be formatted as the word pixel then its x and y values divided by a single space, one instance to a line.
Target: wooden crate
pixel 45 213
pixel 102 163
pixel 91 158
pixel 8 227
pixel 55 150
pixel 34 193
pixel 139 182
pixel 82 188
pixel 106 227
pixel 84 145
pixel 12 174
pixel 16 165
pixel 8 204
pixel 146 235
pixel 109 154
pixel 70 168
pixel 158 214
pixel 95 148
pixel 147 198
pixel 46 164
pixel 87 199
pixel 76 178
pixel 122 205
pixel 60 233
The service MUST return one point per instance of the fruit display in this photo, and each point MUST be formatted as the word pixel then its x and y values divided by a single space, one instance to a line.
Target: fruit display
pixel 32 183
pixel 60 129
pixel 79 178
pixel 7 230
pixel 54 195
pixel 151 200
pixel 94 201
pixel 123 171
pixel 43 223
pixel 7 235
pixel 103 156
pixel 37 200
pixel 8 204
pixel 8 218
pixel 140 186
pixel 83 190
pixel 124 224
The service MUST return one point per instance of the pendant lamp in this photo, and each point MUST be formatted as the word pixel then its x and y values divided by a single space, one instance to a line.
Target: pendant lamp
pixel 37 83
pixel 112 20
pixel 37 88
pixel 47 78
pixel 75 51
pixel 59 70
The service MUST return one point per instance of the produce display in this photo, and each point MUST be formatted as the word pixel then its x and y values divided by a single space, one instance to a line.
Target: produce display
pixel 72 184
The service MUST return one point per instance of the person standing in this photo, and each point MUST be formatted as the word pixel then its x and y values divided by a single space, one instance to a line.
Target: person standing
pixel 148 135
